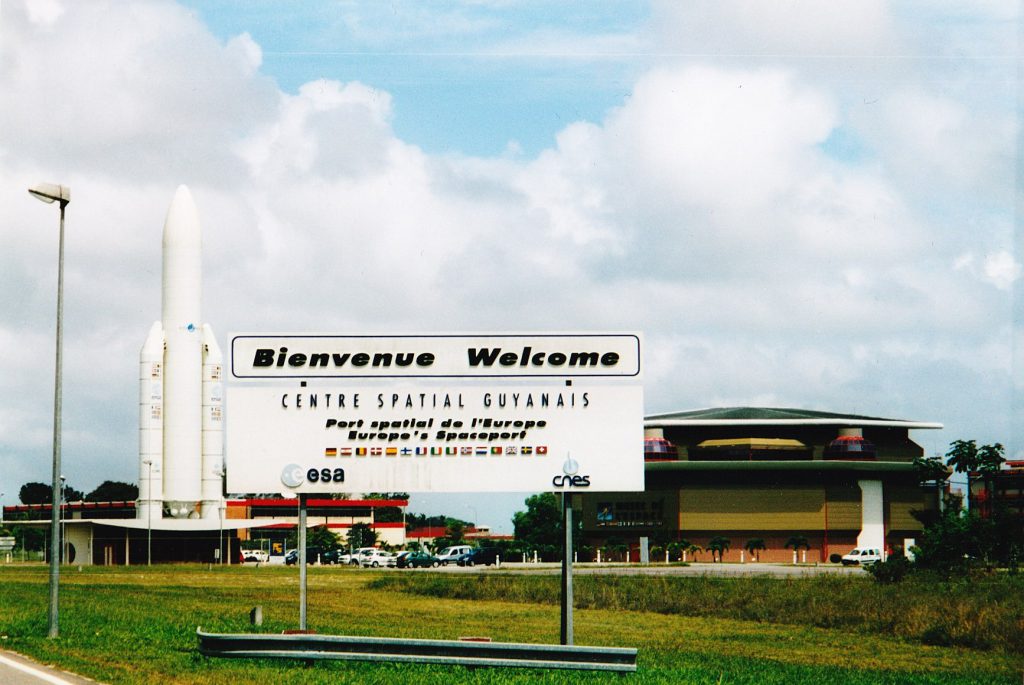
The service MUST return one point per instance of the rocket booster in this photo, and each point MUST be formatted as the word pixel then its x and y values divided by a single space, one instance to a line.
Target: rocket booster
pixel 180 438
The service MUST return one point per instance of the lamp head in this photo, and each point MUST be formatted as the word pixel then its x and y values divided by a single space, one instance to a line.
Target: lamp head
pixel 51 192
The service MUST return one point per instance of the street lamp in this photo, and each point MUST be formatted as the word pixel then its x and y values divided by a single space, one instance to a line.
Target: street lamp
pixel 149 511
pixel 49 193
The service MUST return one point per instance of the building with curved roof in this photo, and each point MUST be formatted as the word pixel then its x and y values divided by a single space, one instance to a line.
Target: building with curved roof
pixel 777 475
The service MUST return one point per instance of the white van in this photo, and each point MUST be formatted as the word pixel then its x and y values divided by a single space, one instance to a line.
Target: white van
pixel 862 557
pixel 450 555
pixel 260 556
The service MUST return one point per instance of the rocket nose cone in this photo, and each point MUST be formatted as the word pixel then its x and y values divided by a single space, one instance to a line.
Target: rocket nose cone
pixel 181 227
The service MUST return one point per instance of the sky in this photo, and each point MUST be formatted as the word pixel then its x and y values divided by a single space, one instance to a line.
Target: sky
pixel 798 204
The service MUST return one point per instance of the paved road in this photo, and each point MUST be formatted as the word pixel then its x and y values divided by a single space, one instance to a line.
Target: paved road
pixel 17 670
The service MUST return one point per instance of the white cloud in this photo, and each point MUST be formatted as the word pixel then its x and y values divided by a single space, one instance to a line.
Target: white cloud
pixel 812 28
pixel 1002 270
pixel 44 12
pixel 706 210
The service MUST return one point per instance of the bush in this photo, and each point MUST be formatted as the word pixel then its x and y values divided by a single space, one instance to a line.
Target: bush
pixel 892 570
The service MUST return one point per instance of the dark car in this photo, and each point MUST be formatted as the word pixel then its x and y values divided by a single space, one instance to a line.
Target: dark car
pixel 484 556
pixel 422 560
pixel 402 560
pixel 311 556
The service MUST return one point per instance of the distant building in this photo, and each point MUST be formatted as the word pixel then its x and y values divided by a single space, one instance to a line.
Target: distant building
pixel 109 533
pixel 1001 490
pixel 427 534
pixel 837 480
pixel 278 519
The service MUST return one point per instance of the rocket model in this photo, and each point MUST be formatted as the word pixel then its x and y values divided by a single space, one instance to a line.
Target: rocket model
pixel 181 451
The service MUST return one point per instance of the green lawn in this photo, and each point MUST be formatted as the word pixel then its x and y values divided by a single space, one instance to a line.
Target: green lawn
pixel 138 626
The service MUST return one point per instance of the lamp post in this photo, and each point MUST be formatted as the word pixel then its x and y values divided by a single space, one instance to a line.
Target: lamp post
pixel 149 511
pixel 49 193
pixel 222 508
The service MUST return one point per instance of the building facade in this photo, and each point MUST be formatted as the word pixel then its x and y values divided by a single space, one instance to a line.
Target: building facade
pixel 810 482
pixel 111 534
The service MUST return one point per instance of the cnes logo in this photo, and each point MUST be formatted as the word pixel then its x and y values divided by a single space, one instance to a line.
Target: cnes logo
pixel 570 469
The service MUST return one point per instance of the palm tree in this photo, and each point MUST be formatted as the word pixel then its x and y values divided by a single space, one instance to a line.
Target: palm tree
pixel 754 546
pixel 615 545
pixel 694 550
pixel 796 542
pixel 718 545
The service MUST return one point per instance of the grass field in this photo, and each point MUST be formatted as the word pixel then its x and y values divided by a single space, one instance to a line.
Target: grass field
pixel 138 626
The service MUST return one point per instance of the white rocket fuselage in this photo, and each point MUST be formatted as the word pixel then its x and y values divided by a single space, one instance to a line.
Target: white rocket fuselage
pixel 180 449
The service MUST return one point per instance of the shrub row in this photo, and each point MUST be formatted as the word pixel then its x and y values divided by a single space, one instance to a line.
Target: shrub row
pixel 983 613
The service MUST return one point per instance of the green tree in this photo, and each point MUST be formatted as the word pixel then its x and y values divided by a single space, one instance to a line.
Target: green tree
pixel 694 550
pixel 455 531
pixel 322 537
pixel 965 456
pixel 35 493
pixel 931 470
pixel 797 542
pixel 27 538
pixel 990 458
pixel 541 523
pixel 361 535
pixel 616 546
pixel 754 546
pixel 41 493
pixel 718 545
pixel 387 514
pixel 113 491
pixel 318 536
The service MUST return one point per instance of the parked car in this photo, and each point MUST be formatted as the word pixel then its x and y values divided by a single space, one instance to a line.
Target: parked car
pixel 482 556
pixel 863 557
pixel 356 558
pixel 257 555
pixel 400 558
pixel 450 555
pixel 331 556
pixel 312 555
pixel 377 558
pixel 422 560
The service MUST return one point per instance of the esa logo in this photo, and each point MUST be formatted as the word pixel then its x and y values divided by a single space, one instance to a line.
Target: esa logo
pixel 570 468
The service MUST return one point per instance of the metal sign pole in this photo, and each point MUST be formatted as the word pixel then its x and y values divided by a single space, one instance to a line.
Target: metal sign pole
pixel 567 570
pixel 302 561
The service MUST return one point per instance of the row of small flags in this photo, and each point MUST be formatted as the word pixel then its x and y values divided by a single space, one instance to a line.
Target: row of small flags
pixel 448 451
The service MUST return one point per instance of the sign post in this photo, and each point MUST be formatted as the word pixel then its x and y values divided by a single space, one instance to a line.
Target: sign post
pixel 567 570
pixel 329 414
pixel 302 561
